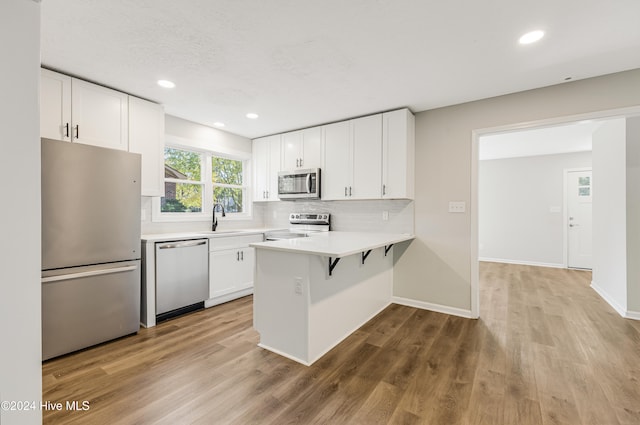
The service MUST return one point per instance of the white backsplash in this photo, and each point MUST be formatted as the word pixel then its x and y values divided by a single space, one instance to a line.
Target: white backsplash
pixel 151 227
pixel 355 216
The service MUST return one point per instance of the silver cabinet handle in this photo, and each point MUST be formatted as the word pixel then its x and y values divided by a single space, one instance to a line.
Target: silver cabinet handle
pixel 87 274
pixel 237 255
pixel 185 244
pixel 300 162
pixel 349 190
pixel 242 255
pixel 345 191
pixel 384 189
pixel 297 162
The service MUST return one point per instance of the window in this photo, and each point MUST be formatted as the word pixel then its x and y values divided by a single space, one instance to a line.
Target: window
pixel 227 178
pixel 182 181
pixel 194 181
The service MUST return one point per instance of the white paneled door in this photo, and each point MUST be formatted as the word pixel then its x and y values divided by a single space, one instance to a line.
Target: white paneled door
pixel 579 223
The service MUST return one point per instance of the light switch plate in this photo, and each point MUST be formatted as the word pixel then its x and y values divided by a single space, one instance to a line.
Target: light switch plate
pixel 457 206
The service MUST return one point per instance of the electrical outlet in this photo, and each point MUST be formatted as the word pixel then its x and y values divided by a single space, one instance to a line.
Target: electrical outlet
pixel 385 215
pixel 297 285
pixel 457 206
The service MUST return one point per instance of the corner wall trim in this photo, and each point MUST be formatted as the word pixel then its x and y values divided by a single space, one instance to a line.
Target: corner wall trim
pixel 634 315
pixel 609 300
pixel 438 308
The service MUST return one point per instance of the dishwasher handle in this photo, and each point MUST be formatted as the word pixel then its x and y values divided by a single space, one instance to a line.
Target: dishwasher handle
pixel 182 244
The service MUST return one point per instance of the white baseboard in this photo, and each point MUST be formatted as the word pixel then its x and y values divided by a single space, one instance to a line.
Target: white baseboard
pixel 522 262
pixel 605 296
pixel 438 308
pixel 228 297
pixel 635 315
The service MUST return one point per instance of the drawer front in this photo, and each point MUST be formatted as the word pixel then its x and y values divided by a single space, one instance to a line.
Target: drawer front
pixel 220 243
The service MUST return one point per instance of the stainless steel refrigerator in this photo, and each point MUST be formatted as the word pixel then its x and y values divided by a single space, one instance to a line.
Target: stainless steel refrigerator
pixel 90 245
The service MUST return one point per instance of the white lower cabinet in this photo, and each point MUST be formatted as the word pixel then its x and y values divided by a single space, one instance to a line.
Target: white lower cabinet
pixel 231 264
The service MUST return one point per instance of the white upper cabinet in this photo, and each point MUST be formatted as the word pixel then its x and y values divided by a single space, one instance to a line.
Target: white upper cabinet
pixel 398 154
pixel 302 149
pixel 82 112
pixel 266 164
pixel 336 174
pixel 352 159
pixel 367 157
pixel 146 137
pixel 55 105
pixel 99 115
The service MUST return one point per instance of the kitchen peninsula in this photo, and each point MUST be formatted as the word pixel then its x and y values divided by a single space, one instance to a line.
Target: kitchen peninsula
pixel 311 293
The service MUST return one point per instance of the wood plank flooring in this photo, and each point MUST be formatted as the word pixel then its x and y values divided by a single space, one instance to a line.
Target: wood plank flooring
pixel 547 350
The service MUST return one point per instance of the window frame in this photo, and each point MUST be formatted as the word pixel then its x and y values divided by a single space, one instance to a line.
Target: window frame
pixel 206 174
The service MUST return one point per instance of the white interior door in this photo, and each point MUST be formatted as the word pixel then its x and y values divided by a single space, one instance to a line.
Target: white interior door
pixel 579 203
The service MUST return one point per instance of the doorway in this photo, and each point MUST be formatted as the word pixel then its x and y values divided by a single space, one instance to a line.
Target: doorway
pixel 578 223
pixel 623 113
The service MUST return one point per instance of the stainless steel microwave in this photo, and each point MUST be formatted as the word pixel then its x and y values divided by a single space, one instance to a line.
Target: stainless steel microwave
pixel 299 184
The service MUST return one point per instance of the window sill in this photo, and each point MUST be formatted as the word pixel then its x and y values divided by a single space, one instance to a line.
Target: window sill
pixel 191 217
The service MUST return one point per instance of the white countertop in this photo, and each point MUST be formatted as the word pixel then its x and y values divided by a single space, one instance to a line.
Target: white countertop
pixel 208 234
pixel 335 244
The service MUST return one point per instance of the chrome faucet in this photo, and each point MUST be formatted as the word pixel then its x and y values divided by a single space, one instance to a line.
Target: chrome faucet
pixel 214 223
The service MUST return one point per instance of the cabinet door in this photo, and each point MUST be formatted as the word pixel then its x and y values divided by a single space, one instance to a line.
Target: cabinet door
pixel 260 168
pixel 398 154
pixel 99 115
pixel 55 105
pixel 274 167
pixel 291 150
pixel 146 137
pixel 312 148
pixel 245 270
pixel 367 157
pixel 336 176
pixel 223 272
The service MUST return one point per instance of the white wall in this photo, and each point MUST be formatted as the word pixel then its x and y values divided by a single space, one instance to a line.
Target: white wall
pixel 609 224
pixel 436 268
pixel 520 204
pixel 21 354
pixel 190 134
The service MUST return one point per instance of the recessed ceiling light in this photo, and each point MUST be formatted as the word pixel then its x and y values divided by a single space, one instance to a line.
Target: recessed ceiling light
pixel 218 124
pixel 166 84
pixel 531 37
pixel 252 116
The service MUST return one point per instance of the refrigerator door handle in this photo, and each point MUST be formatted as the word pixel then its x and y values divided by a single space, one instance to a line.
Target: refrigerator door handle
pixel 87 274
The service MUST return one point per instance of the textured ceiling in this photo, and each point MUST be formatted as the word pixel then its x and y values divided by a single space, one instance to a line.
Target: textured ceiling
pixel 301 63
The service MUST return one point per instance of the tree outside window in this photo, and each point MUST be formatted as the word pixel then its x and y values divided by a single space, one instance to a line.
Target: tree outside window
pixel 192 187
pixel 227 178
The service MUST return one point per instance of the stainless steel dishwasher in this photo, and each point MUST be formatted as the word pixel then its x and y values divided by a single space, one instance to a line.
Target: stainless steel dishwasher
pixel 182 277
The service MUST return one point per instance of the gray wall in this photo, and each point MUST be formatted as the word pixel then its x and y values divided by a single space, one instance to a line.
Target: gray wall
pixel 21 354
pixel 633 215
pixel 517 223
pixel 436 268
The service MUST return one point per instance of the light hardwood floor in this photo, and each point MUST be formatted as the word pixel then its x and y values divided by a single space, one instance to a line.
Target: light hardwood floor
pixel 547 350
